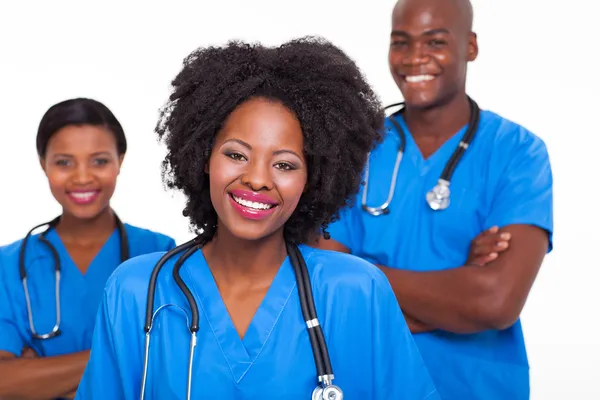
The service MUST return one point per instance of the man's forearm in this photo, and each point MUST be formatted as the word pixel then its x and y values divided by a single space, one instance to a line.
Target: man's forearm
pixel 41 378
pixel 460 300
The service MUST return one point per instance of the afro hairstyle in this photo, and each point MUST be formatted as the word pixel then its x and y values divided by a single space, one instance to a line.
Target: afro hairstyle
pixel 340 115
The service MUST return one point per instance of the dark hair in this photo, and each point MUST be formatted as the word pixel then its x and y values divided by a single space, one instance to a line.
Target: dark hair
pixel 79 111
pixel 339 113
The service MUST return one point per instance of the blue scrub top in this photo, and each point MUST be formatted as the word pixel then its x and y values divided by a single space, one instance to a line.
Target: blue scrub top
pixel 503 178
pixel 372 351
pixel 80 294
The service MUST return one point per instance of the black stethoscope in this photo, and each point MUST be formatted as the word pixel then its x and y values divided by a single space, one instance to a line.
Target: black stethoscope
pixel 325 389
pixel 438 198
pixel 57 268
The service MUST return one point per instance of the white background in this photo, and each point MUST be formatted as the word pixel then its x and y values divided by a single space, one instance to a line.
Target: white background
pixel 535 67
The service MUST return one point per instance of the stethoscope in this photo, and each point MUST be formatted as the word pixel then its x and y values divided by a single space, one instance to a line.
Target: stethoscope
pixel 438 198
pixel 325 389
pixel 57 267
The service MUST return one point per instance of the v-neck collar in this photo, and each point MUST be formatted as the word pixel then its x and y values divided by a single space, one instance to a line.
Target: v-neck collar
pixel 85 290
pixel 68 266
pixel 442 154
pixel 239 353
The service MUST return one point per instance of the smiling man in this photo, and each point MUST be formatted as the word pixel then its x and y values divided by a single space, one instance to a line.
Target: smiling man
pixel 459 171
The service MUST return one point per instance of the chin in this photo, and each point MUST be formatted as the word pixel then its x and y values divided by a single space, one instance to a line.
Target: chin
pixel 422 100
pixel 84 212
pixel 244 229
pixel 251 233
pixel 415 98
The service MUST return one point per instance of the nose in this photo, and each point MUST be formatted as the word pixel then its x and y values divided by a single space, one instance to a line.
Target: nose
pixel 258 176
pixel 83 175
pixel 414 55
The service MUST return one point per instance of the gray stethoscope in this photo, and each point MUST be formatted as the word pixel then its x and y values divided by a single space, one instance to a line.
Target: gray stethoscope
pixel 438 198
pixel 57 267
pixel 325 389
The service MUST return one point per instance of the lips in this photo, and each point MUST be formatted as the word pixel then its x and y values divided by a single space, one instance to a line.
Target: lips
pixel 252 205
pixel 253 197
pixel 83 197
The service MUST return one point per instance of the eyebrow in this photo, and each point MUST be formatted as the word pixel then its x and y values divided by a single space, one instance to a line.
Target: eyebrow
pixel 99 153
pixel 430 32
pixel 246 145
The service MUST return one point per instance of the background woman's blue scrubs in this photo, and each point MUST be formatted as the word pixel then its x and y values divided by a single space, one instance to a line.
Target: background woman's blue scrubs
pixel 80 294
pixel 503 178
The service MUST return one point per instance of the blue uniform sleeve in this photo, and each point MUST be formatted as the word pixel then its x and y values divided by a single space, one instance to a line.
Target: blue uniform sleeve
pixel 10 339
pixel 523 194
pixel 163 243
pixel 348 229
pixel 170 244
pixel 111 372
pixel 399 371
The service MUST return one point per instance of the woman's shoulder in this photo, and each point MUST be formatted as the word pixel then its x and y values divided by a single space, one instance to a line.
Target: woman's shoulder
pixel 146 240
pixel 9 258
pixel 11 250
pixel 343 270
pixel 133 276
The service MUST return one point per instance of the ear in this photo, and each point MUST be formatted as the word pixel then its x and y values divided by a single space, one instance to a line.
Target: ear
pixel 473 50
pixel 43 164
pixel 121 158
pixel 206 168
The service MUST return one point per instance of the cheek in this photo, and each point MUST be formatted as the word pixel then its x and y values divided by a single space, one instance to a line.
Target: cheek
pixel 443 59
pixel 220 173
pixel 57 179
pixel 220 176
pixel 394 59
pixel 108 176
pixel 446 60
pixel 291 187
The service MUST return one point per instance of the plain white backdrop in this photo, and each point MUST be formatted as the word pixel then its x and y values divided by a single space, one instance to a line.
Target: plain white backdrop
pixel 535 67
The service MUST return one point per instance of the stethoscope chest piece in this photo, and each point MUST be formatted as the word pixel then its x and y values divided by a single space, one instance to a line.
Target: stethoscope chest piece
pixel 330 392
pixel 438 198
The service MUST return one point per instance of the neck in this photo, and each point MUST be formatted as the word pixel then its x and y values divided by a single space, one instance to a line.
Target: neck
pixel 233 260
pixel 71 228
pixel 438 122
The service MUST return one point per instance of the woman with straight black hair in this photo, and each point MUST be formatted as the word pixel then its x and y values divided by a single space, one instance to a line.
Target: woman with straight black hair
pixel 51 283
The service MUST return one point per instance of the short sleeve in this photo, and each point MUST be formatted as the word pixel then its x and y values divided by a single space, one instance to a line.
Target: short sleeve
pixel 10 339
pixel 524 193
pixel 166 243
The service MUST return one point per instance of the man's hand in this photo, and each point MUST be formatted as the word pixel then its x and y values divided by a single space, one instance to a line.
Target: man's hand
pixel 28 352
pixel 484 249
pixel 487 245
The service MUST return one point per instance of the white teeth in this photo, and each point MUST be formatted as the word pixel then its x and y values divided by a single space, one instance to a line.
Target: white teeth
pixel 252 204
pixel 83 195
pixel 419 78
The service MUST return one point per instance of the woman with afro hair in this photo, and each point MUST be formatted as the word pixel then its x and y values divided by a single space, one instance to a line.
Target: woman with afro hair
pixel 267 144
